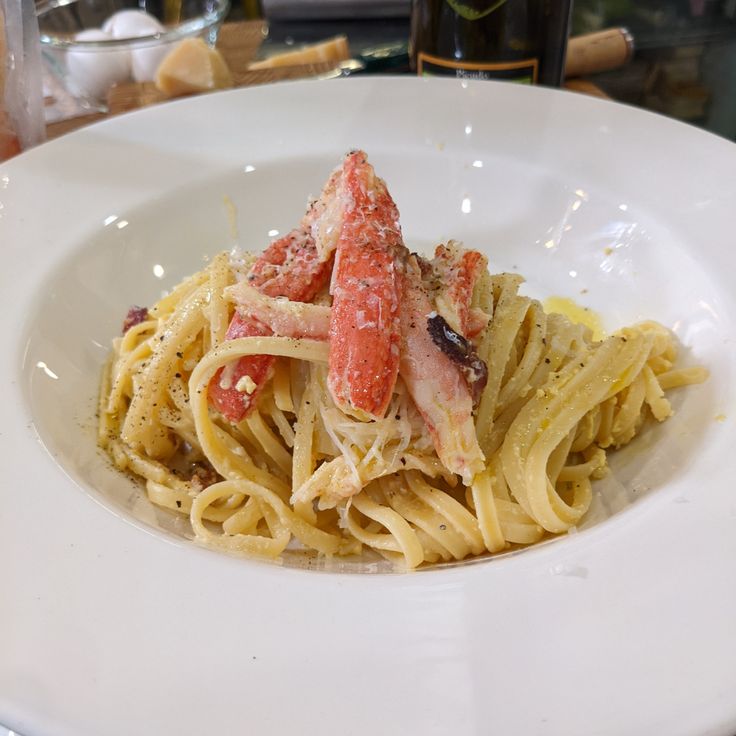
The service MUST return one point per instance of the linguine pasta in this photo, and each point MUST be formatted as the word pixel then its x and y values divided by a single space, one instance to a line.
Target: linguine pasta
pixel 301 471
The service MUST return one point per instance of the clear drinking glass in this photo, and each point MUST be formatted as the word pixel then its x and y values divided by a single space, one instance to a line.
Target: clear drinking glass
pixel 21 104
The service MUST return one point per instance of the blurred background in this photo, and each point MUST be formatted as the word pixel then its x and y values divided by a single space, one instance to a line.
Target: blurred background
pixel 684 63
pixel 98 58
pixel 685 59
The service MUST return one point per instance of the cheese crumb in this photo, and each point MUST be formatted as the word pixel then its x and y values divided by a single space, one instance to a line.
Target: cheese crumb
pixel 246 385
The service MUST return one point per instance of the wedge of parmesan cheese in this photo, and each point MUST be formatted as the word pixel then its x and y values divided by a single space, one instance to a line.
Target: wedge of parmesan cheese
pixel 192 67
pixel 334 49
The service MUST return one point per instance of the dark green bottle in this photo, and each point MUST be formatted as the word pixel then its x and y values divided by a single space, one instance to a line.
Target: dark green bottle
pixel 515 40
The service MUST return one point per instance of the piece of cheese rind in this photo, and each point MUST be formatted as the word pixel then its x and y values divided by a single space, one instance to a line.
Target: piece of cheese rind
pixel 192 67
pixel 334 49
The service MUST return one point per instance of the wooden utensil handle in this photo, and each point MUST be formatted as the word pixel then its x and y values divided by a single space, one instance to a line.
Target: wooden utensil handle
pixel 598 52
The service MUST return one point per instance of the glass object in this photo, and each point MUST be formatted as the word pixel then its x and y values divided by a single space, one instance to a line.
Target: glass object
pixel 515 40
pixel 89 45
pixel 21 110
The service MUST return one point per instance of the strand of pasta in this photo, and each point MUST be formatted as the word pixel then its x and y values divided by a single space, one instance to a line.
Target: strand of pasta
pixel 554 400
pixel 307 534
pixel 629 411
pixel 595 462
pixel 269 442
pixel 181 501
pixel 545 420
pixel 108 426
pixel 140 428
pixel 218 308
pixel 226 461
pixel 447 541
pixel 278 418
pixel 402 537
pixel 179 295
pixel 131 350
pixel 515 524
pixel 494 349
pixel 518 384
pixel 564 344
pixel 303 456
pixel 126 458
pixel 558 457
pixel 486 510
pixel 682 377
pixel 282 386
pixel 456 514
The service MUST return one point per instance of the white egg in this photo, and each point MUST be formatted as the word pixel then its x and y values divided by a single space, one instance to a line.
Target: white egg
pixel 133 24
pixel 92 72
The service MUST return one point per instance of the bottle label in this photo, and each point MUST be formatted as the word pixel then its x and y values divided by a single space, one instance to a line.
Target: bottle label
pixel 469 11
pixel 524 71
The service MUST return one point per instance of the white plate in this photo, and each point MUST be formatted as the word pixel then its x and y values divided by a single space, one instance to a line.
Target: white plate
pixel 110 624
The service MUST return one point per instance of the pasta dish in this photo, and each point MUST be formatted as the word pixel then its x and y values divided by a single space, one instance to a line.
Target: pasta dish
pixel 338 394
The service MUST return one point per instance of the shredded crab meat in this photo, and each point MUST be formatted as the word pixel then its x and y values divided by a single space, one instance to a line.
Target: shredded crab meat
pixel 282 316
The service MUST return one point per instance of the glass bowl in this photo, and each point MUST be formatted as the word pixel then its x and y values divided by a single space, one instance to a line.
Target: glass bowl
pixel 84 62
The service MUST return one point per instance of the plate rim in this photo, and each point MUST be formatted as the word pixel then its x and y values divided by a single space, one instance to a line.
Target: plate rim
pixel 449 576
